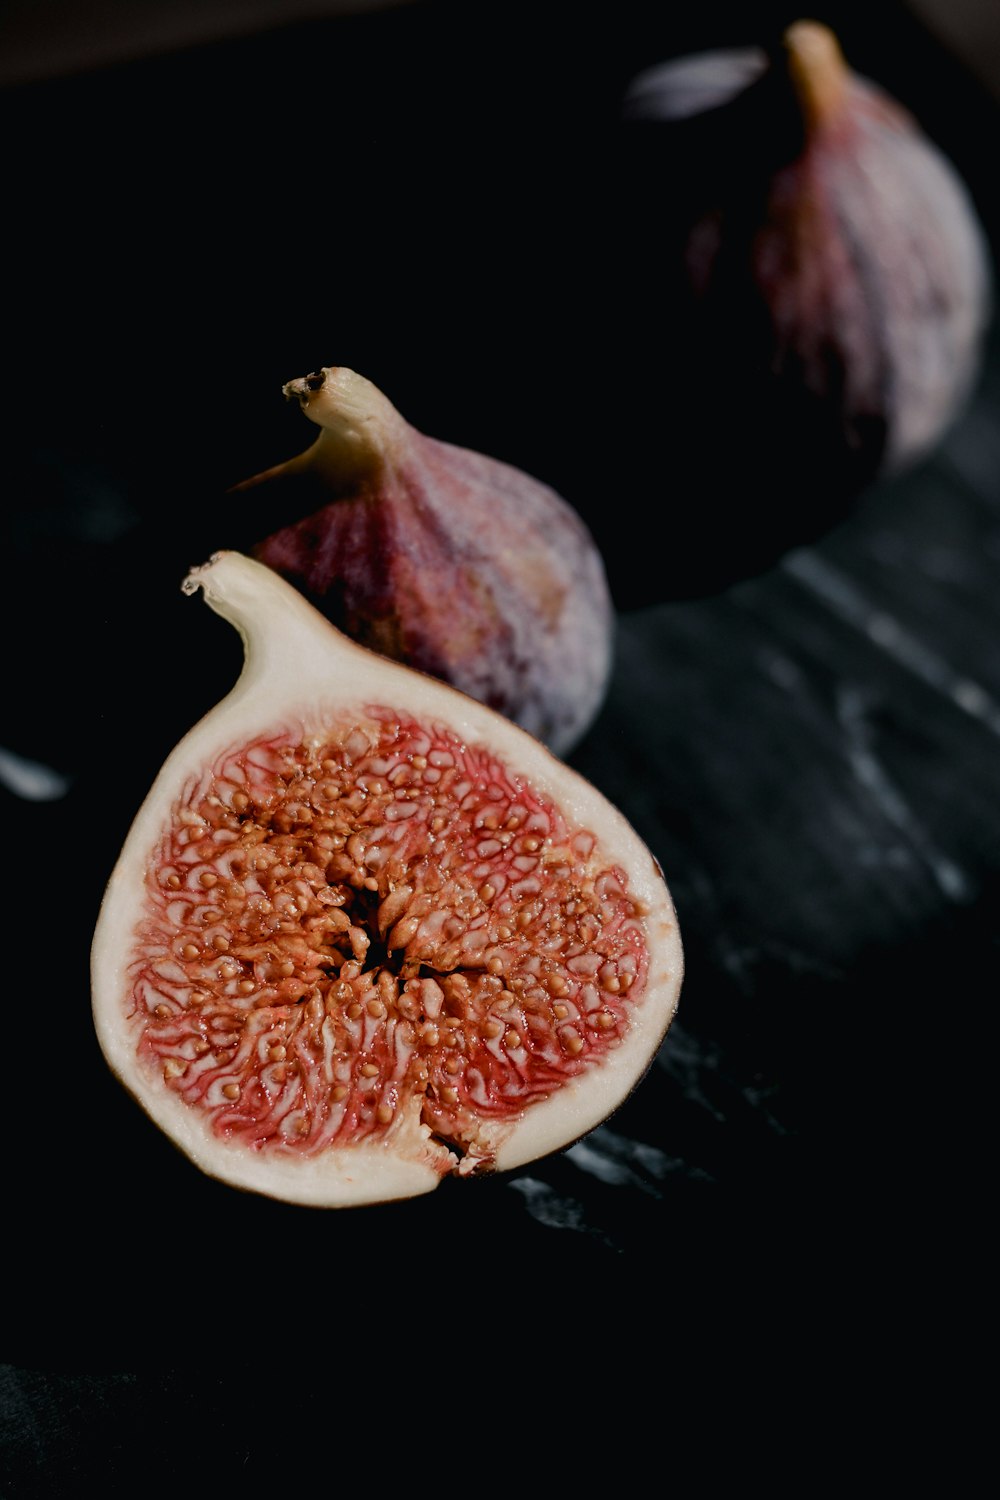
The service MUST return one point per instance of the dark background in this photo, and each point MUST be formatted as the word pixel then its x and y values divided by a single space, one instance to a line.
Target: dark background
pixel 442 196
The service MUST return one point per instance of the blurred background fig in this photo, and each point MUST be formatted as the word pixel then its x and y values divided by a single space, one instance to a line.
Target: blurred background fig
pixel 820 277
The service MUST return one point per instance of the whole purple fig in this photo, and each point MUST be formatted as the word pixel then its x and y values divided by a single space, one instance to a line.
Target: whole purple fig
pixel 828 281
pixel 448 560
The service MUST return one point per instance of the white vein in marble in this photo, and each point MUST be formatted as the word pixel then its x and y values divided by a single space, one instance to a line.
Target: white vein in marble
pixel 850 605
pixel 31 779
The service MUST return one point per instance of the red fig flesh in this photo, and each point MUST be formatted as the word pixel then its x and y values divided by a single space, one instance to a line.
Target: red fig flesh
pixel 445 559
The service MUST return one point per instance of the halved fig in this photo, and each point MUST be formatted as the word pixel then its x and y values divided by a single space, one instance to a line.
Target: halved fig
pixel 365 932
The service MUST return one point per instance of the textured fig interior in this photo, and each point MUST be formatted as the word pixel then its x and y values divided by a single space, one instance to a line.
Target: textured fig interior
pixel 342 933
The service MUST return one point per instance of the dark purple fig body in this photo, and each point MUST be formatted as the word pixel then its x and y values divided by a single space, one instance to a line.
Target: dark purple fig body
pixel 447 560
pixel 825 280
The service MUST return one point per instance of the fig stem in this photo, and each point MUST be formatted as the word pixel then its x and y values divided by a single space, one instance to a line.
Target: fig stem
pixel 817 69
pixel 359 426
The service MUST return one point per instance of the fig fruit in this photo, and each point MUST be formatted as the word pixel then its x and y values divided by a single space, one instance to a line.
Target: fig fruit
pixel 445 559
pixel 365 932
pixel 826 277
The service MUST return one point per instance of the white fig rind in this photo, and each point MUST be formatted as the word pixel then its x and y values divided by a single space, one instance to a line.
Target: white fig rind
pixel 299 671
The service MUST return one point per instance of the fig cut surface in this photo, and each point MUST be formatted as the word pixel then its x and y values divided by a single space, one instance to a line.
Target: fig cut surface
pixel 364 932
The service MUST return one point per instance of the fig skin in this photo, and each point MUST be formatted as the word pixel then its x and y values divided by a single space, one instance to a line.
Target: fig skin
pixel 825 277
pixel 300 676
pixel 442 558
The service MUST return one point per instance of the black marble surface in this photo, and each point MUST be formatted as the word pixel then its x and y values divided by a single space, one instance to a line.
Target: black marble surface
pixel 805 731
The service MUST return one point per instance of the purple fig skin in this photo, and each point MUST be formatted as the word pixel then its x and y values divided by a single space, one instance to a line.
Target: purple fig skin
pixel 451 561
pixel 854 271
